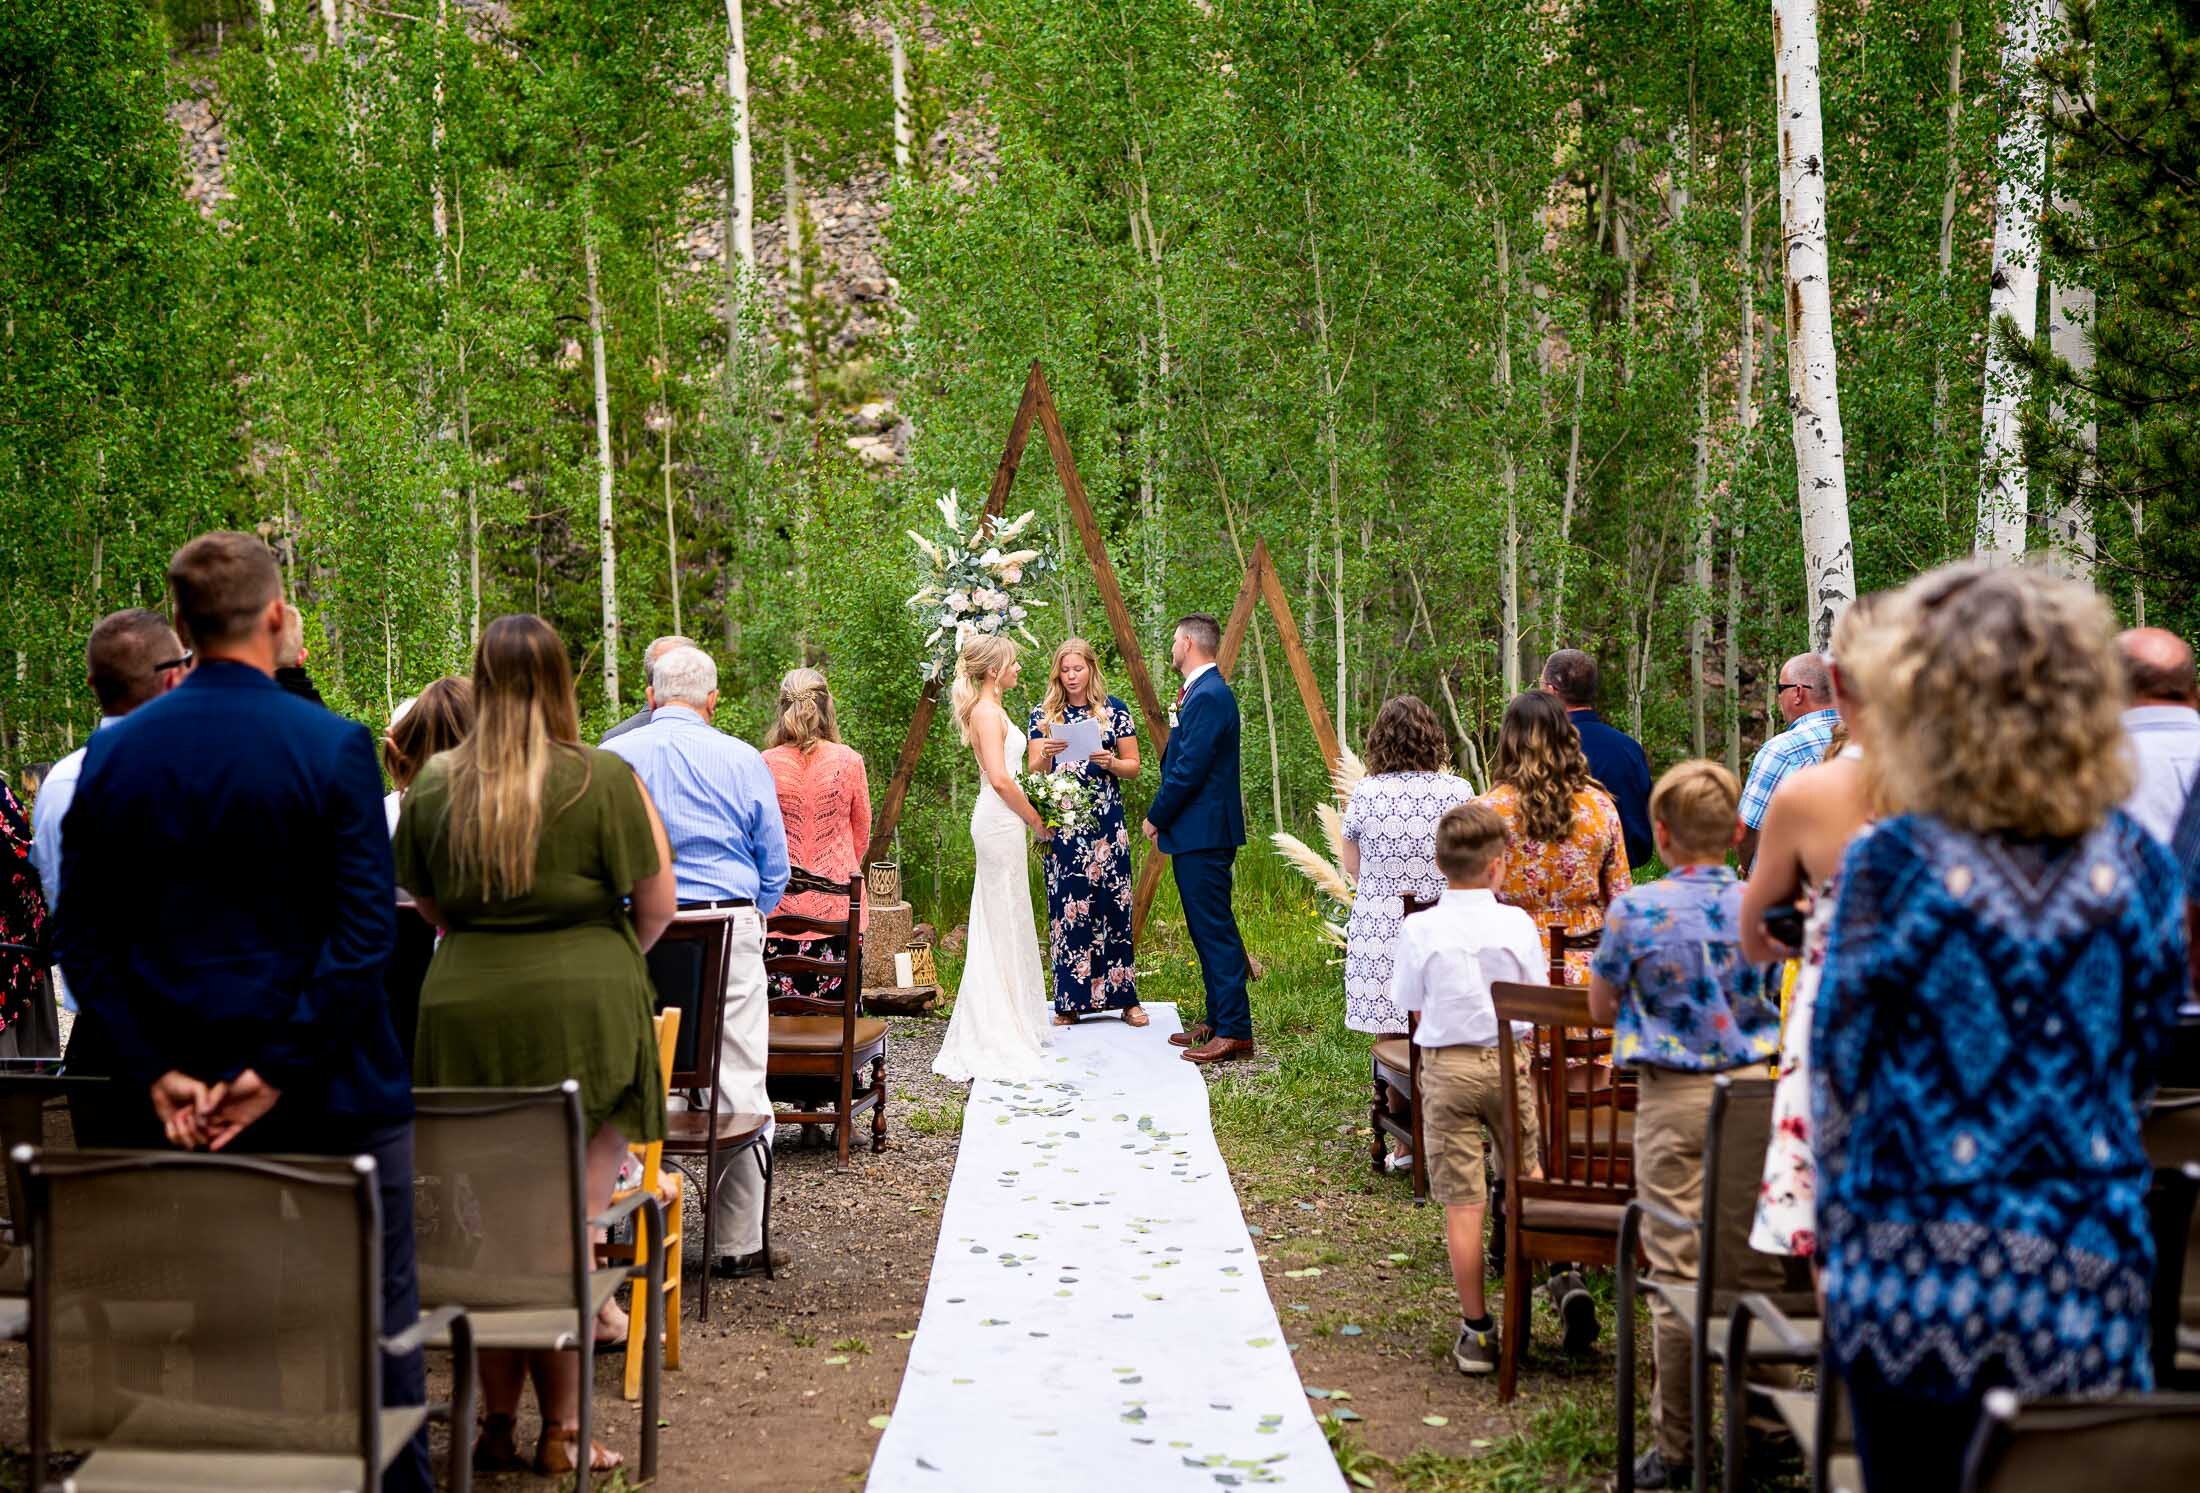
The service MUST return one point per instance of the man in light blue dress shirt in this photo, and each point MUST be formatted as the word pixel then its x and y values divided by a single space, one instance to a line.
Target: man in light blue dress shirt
pixel 729 852
pixel 2163 725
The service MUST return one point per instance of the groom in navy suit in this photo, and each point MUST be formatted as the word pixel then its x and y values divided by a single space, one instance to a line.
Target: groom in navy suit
pixel 1198 819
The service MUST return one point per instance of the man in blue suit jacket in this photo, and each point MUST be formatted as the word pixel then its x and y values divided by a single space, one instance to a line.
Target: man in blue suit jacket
pixel 1615 759
pixel 1198 819
pixel 231 904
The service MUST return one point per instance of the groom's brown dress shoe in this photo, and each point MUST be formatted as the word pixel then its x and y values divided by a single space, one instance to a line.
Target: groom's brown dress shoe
pixel 1197 1036
pixel 1221 1050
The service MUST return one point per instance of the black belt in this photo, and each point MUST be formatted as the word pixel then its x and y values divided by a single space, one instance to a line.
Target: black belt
pixel 715 906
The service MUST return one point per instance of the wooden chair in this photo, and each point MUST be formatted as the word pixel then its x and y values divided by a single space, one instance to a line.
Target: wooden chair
pixel 1740 1124
pixel 815 1039
pixel 1394 1065
pixel 1571 1215
pixel 689 967
pixel 656 1182
pixel 2136 1441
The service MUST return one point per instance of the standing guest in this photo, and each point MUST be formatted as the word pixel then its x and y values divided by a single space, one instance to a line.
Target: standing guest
pixel 1808 828
pixel 1686 1004
pixel 1447 959
pixel 2001 980
pixel 26 991
pixel 1806 704
pixel 1390 850
pixel 1565 860
pixel 436 720
pixel 729 849
pixel 2163 725
pixel 1616 760
pixel 1198 817
pixel 1565 855
pixel 1089 874
pixel 131 659
pixel 229 912
pixel 546 866
pixel 657 649
pixel 290 658
pixel 32 779
pixel 825 806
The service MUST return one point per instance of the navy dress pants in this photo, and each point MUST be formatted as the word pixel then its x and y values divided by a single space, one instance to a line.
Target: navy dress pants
pixel 1203 881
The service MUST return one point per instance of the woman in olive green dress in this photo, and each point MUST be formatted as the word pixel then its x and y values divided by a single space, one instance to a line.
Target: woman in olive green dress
pixel 546 866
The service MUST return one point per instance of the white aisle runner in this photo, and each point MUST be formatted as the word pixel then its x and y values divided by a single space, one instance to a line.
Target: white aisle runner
pixel 1096 1318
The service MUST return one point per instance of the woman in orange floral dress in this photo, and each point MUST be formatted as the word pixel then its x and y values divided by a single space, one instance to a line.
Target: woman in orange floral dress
pixel 1565 859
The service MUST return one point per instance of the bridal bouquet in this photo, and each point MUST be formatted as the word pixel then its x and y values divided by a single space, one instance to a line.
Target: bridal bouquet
pixel 977 583
pixel 1067 802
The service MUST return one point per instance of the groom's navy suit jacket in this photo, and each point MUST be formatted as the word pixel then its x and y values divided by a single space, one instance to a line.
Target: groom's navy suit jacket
pixel 1199 805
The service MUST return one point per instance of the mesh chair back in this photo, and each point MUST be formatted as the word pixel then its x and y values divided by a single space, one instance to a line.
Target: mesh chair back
pixel 2135 1441
pixel 2172 1136
pixel 205 1303
pixel 500 1198
pixel 688 966
pixel 1734 1160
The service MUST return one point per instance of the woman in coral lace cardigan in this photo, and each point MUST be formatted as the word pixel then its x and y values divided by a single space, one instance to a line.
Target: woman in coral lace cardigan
pixel 825 799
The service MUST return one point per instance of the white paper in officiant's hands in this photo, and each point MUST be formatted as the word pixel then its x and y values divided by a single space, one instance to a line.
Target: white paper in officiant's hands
pixel 1082 739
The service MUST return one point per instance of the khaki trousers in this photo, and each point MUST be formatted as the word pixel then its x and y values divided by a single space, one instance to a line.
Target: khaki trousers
pixel 743 1046
pixel 1672 1117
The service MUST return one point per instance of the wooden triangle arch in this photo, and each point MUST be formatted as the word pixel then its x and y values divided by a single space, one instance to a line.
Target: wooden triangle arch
pixel 1261 583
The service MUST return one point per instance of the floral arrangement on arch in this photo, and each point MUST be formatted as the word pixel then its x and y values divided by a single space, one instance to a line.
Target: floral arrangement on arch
pixel 976 584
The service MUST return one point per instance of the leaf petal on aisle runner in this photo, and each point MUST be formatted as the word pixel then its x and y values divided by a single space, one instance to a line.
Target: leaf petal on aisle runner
pixel 1095 1317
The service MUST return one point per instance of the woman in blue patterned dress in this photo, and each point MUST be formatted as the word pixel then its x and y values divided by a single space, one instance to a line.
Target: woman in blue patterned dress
pixel 2001 978
pixel 1089 874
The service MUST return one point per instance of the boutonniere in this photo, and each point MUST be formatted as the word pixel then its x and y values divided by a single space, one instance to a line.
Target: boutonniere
pixel 1172 718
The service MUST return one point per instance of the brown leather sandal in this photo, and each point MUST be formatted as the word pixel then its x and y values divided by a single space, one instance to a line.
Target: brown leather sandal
pixel 1136 1016
pixel 496 1449
pixel 554 1454
pixel 1061 1020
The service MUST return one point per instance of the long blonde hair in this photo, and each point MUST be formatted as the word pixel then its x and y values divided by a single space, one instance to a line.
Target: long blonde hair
pixel 805 712
pixel 2004 704
pixel 981 658
pixel 1056 705
pixel 524 713
pixel 1539 754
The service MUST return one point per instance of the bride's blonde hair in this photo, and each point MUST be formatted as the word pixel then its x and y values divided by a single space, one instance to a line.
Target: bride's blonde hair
pixel 1057 700
pixel 981 658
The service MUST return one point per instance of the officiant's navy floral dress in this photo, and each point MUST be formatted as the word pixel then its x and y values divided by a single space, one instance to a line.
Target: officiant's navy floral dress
pixel 1089 886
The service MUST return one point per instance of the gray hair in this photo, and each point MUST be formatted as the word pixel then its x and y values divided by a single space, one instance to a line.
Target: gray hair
pixel 1809 670
pixel 657 649
pixel 685 674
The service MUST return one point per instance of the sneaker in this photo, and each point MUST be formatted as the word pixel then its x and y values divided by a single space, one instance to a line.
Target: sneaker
pixel 1652 1471
pixel 1475 1352
pixel 1570 1294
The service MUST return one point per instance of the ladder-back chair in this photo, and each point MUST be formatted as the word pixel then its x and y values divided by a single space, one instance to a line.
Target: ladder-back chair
pixel 817 1039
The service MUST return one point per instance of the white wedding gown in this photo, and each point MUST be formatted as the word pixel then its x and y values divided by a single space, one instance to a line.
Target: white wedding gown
pixel 999 1029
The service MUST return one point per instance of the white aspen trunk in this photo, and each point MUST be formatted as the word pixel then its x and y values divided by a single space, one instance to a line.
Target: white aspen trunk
pixel 792 194
pixel 1508 477
pixel 2070 335
pixel 1948 204
pixel 1567 502
pixel 740 188
pixel 2138 577
pixel 1699 513
pixel 332 32
pixel 1331 392
pixel 664 412
pixel 2020 164
pixel 1821 478
pixel 605 528
pixel 904 135
pixel 1156 464
pixel 1745 418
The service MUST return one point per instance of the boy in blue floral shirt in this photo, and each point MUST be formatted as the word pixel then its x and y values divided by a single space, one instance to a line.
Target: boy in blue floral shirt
pixel 1670 978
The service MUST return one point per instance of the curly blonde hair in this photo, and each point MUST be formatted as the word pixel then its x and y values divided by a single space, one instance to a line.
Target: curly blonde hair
pixel 2004 704
pixel 1056 706
pixel 1539 754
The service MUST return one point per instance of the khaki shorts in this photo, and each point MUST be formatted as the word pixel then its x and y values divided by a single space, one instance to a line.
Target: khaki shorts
pixel 1462 1093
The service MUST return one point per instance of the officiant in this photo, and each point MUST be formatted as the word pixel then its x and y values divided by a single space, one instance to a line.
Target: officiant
pixel 1082 728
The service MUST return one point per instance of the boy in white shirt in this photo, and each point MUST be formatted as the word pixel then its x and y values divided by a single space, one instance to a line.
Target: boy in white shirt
pixel 1446 960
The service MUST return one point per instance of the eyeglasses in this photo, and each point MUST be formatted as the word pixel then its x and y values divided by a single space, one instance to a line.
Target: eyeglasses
pixel 176 663
pixel 1786 687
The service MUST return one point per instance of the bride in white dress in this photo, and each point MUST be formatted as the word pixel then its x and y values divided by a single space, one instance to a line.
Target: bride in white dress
pixel 1000 1021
